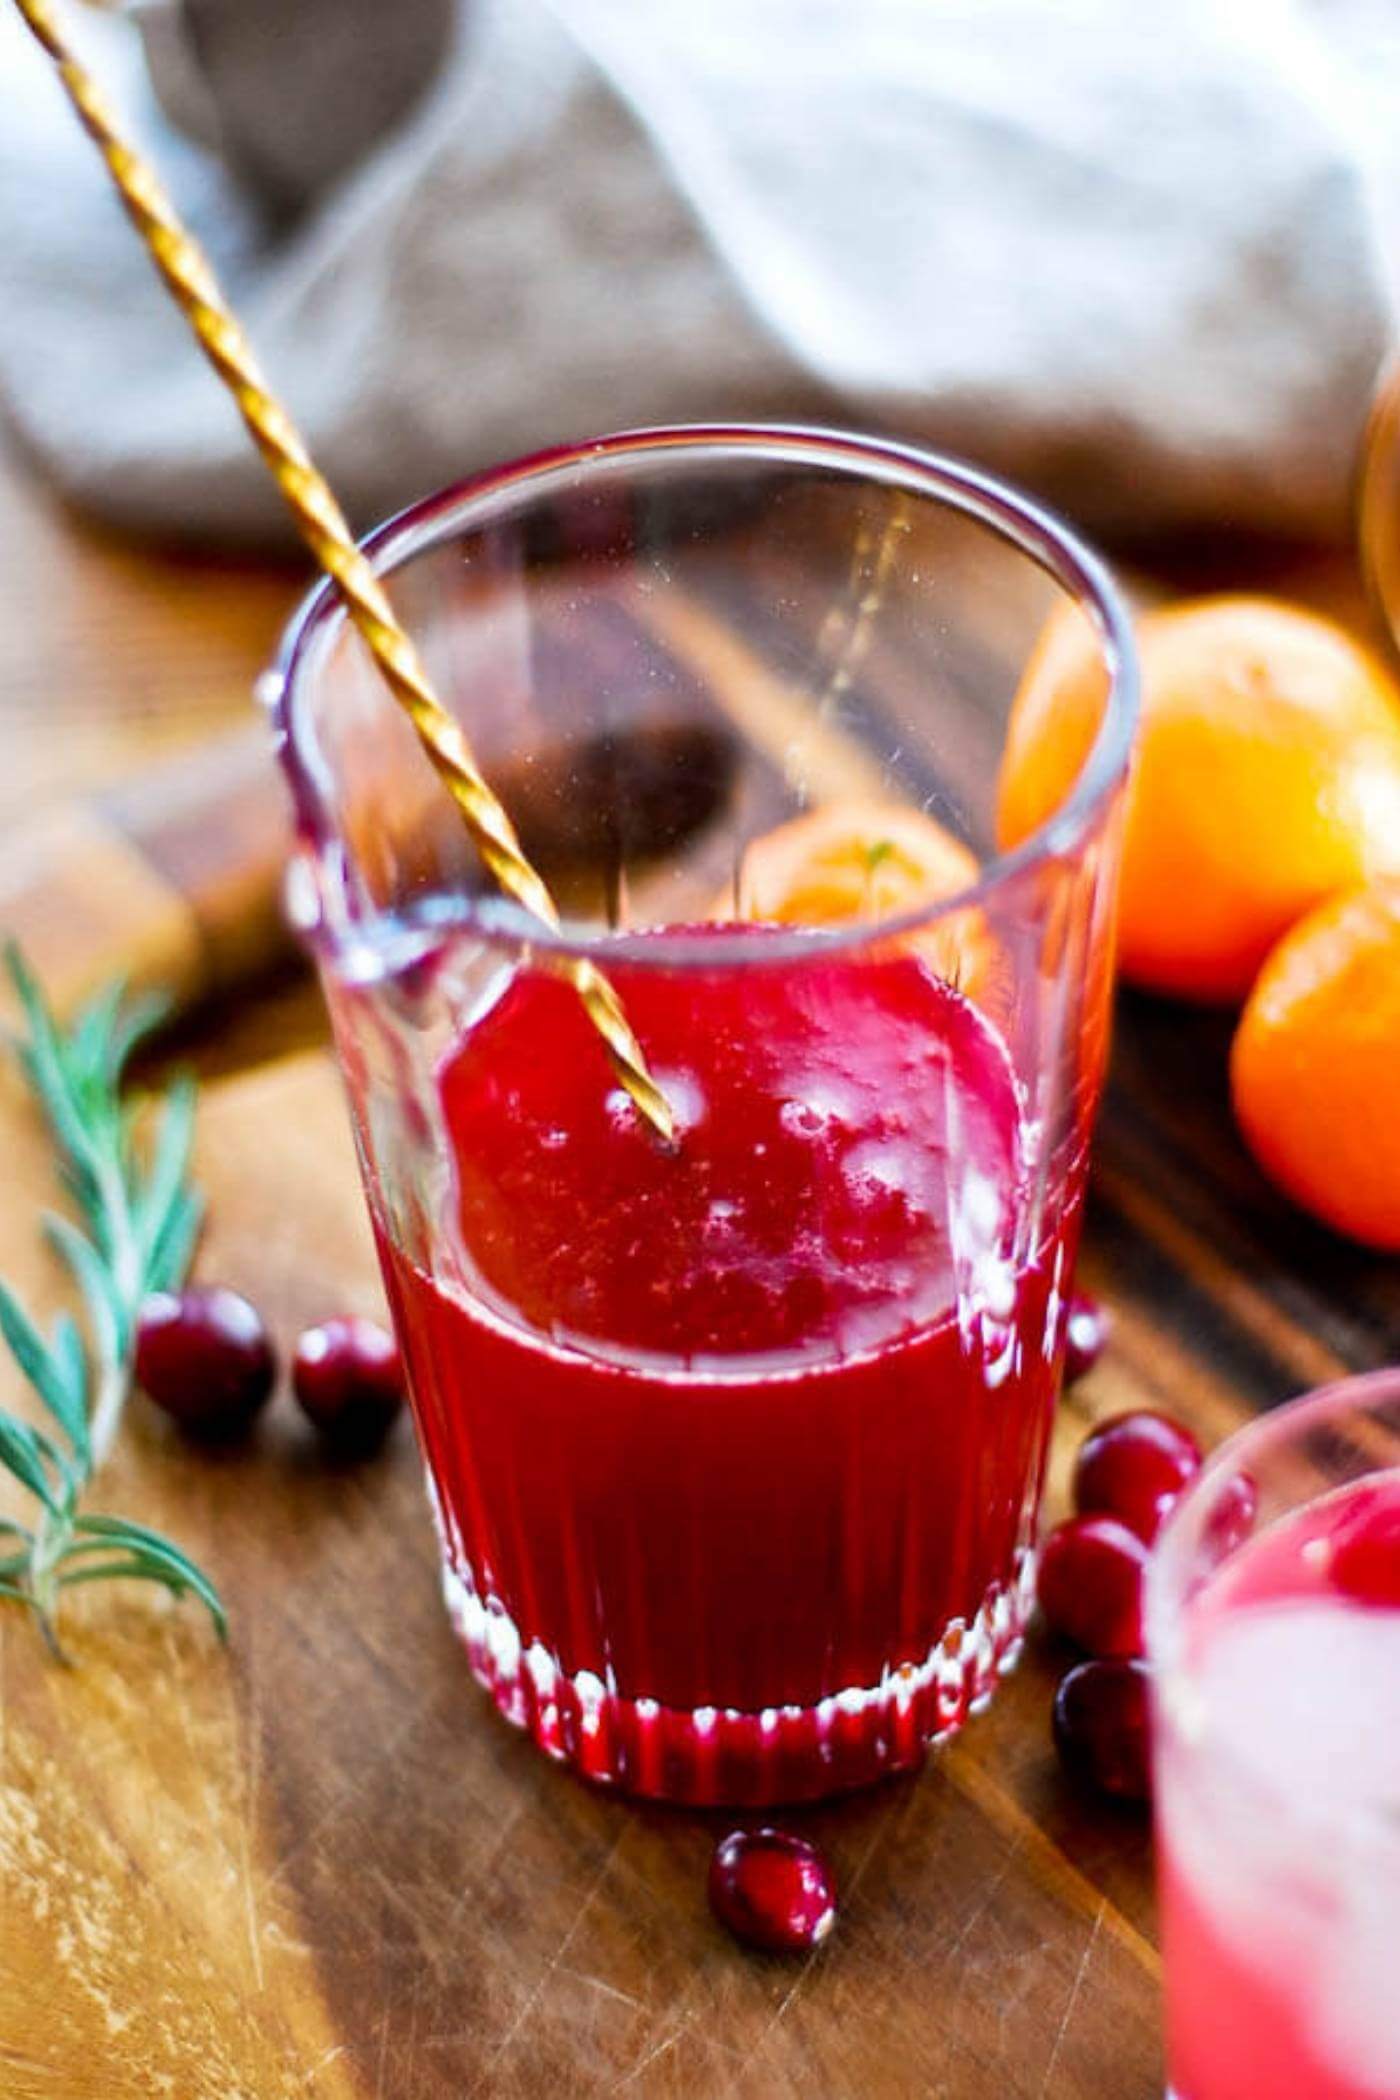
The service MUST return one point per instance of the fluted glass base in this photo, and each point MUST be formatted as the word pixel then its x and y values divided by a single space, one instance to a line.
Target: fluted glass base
pixel 707 1756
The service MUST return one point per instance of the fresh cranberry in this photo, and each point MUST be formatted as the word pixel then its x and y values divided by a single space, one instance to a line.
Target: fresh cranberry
pixel 1230 1518
pixel 347 1376
pixel 1133 1467
pixel 1090 1584
pixel 1365 1559
pixel 772 1891
pixel 1086 1335
pixel 203 1356
pixel 1101 1726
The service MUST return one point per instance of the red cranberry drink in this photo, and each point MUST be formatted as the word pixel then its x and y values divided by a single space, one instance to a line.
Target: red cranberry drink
pixel 1278 1802
pixel 736 1447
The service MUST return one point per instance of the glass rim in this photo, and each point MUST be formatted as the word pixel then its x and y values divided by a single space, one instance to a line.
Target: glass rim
pixel 1034 530
pixel 1164 1589
pixel 1377 475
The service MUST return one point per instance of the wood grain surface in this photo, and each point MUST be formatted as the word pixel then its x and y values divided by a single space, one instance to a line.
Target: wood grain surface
pixel 318 1864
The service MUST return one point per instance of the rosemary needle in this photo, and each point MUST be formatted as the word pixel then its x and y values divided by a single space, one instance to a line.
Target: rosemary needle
pixel 138 1218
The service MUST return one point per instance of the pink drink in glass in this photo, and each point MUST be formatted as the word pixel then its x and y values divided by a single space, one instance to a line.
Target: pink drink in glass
pixel 1278 1805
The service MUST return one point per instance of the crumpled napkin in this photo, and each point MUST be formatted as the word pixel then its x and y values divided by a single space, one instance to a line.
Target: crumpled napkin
pixel 1138 260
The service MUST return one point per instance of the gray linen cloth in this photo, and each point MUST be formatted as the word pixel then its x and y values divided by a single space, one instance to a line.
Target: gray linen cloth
pixel 1139 258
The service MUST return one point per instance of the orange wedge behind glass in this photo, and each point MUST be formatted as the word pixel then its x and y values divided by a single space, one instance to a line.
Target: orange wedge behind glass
pixel 848 861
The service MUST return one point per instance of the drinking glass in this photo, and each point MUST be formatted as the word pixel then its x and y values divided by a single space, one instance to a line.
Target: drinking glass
pixel 1277 1766
pixel 1378 500
pixel 734 1453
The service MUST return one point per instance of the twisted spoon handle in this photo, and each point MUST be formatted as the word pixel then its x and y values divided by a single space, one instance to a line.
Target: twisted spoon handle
pixel 192 283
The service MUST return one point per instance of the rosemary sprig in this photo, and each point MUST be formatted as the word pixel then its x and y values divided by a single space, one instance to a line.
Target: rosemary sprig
pixel 140 1219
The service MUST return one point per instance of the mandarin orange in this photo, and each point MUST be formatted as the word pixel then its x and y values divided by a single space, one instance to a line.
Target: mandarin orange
pixel 1315 1068
pixel 851 860
pixel 846 861
pixel 1267 777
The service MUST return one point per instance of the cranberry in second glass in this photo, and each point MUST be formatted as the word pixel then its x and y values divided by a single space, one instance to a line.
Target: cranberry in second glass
pixel 1364 1563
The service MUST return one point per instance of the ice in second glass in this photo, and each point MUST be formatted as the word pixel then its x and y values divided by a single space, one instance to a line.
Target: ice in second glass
pixel 734 1450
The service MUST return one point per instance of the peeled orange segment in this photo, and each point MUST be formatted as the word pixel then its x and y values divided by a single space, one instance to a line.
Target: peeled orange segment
pixel 1315 1068
pixel 847 861
pixel 1267 778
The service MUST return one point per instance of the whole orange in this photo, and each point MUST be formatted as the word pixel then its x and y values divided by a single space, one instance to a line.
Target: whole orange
pixel 1267 777
pixel 1315 1068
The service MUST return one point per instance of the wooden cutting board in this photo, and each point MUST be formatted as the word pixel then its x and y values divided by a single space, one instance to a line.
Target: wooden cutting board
pixel 319 1864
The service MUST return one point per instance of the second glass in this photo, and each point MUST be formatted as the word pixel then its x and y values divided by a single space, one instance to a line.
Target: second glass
pixel 1273 1628
pixel 735 1452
